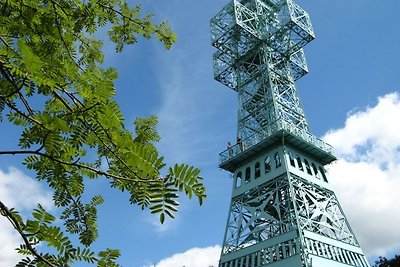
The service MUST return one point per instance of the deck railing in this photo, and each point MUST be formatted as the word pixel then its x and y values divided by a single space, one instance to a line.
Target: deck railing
pixel 251 141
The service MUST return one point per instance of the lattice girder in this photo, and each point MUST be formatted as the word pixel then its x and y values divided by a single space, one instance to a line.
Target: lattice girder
pixel 298 64
pixel 260 47
pixel 246 18
pixel 257 215
pixel 268 210
pixel 225 69
pixel 320 212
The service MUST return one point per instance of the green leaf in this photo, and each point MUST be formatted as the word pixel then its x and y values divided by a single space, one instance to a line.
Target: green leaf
pixel 162 218
pixel 29 58
pixel 42 216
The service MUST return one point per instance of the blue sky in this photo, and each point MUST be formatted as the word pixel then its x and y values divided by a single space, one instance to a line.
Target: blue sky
pixel 350 97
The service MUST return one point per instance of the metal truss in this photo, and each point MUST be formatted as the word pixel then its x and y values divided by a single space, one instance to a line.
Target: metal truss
pixel 284 205
pixel 268 210
pixel 319 211
pixel 259 214
pixel 260 56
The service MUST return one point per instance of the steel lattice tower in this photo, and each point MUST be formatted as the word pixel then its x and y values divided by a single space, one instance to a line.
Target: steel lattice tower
pixel 283 211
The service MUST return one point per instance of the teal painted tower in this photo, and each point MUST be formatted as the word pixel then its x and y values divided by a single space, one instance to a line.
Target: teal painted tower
pixel 283 211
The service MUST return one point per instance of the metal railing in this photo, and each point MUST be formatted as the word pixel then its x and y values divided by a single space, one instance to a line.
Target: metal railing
pixel 253 140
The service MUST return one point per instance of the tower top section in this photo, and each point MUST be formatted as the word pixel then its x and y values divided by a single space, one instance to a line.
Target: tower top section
pixel 260 56
pixel 242 25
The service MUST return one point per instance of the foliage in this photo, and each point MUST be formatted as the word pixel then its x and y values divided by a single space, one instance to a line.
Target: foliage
pixel 384 262
pixel 52 84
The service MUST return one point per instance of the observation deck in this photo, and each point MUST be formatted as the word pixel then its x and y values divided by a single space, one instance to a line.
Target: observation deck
pixel 280 133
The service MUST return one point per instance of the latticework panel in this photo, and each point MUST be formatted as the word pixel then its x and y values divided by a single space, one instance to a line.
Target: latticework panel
pixel 319 212
pixel 259 214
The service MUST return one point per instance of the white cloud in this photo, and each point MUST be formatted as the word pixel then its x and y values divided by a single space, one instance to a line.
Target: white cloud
pixel 191 115
pixel 195 257
pixel 366 177
pixel 374 130
pixel 19 190
pixel 9 240
pixel 23 193
pixel 183 111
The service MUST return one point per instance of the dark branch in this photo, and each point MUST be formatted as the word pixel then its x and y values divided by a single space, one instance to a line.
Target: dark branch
pixel 77 165
pixel 11 105
pixel 8 214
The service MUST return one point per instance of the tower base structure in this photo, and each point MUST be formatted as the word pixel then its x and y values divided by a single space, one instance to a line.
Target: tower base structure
pixel 283 210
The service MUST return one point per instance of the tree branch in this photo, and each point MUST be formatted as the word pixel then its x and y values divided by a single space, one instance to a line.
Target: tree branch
pixel 12 106
pixel 77 165
pixel 26 104
pixel 142 26
pixel 77 102
pixel 11 218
